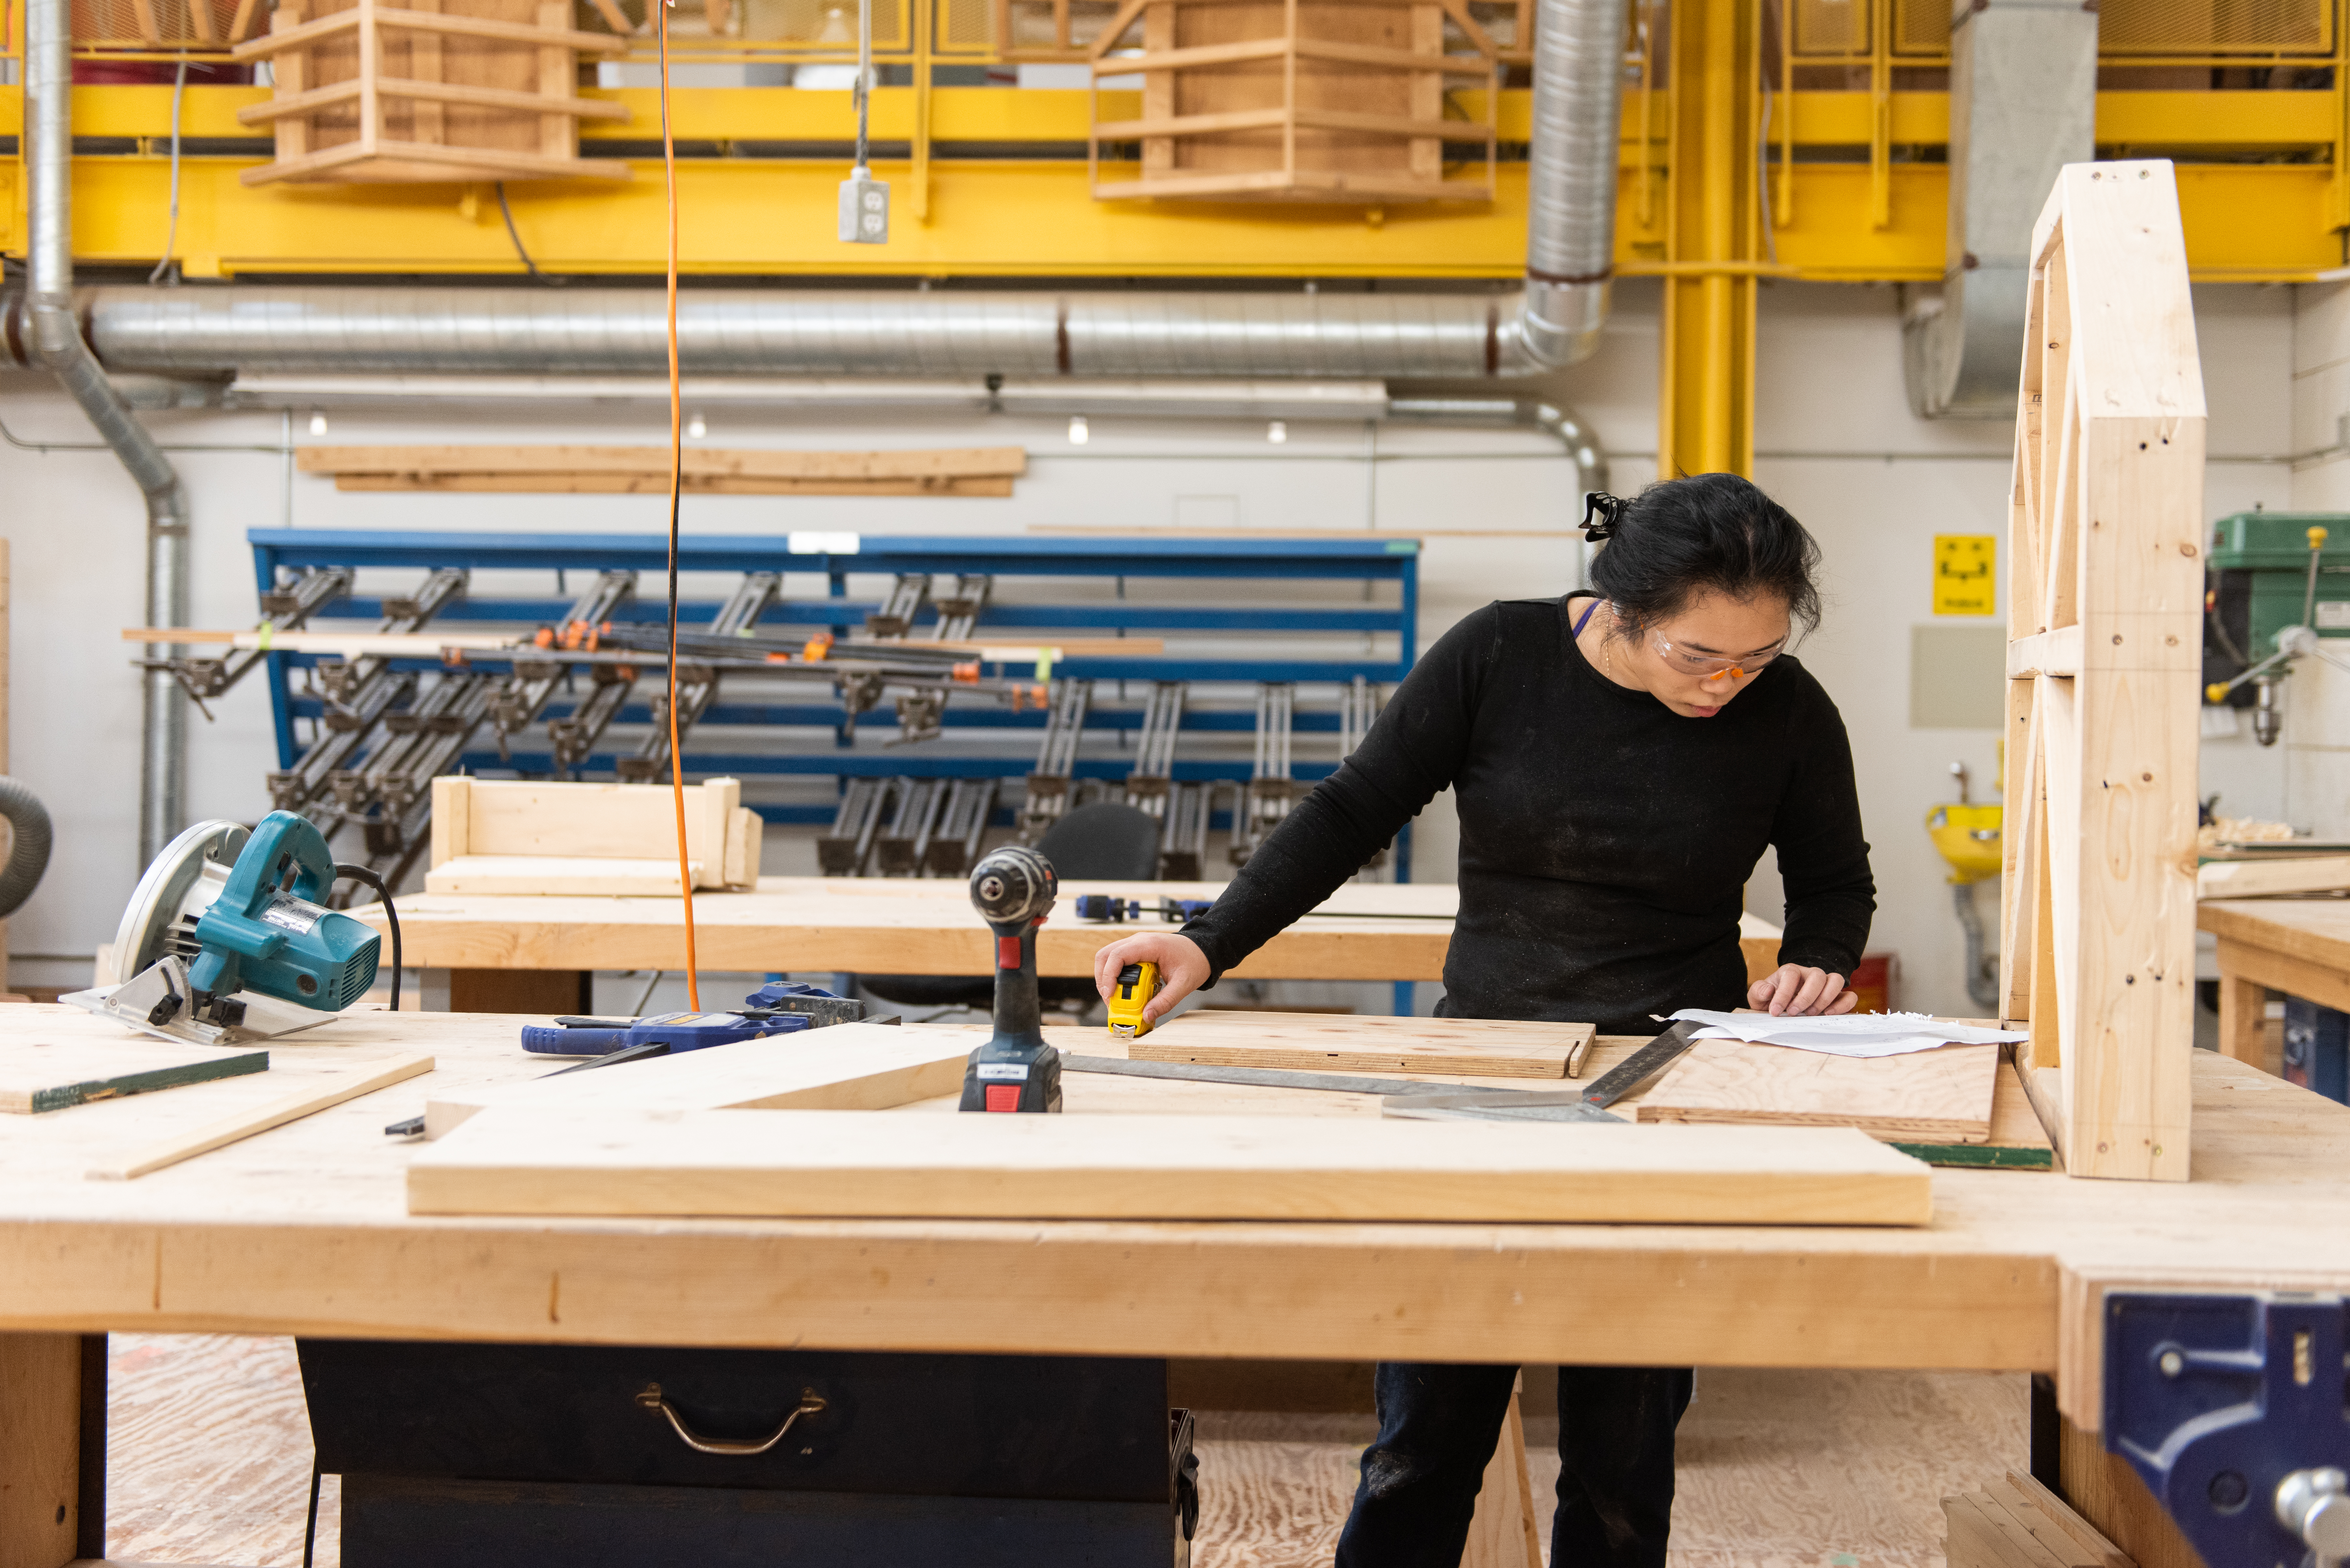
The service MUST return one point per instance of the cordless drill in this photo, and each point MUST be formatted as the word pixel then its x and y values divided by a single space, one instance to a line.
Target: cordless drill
pixel 1012 888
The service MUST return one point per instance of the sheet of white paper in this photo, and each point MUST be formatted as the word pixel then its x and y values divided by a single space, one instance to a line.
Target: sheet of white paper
pixel 1848 1034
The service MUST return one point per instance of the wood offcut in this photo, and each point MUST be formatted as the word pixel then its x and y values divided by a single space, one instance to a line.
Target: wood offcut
pixel 644 470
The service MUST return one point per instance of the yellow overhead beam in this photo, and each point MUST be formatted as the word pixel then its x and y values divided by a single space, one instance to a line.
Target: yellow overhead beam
pixel 755 213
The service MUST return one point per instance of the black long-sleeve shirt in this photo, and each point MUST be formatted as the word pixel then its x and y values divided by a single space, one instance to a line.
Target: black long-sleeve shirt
pixel 1605 841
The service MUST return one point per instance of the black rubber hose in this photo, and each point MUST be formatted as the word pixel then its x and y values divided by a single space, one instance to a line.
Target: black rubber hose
pixel 30 856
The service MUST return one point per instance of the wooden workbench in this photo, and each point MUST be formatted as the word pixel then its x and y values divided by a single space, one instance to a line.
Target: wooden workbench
pixel 304 1230
pixel 512 953
pixel 2300 946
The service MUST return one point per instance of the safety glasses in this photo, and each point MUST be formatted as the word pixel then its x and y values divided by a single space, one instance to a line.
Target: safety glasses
pixel 1743 666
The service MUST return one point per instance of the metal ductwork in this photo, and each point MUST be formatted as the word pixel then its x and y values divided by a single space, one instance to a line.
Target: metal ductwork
pixel 56 342
pixel 2023 103
pixel 390 331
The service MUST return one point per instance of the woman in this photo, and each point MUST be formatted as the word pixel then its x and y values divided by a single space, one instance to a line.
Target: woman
pixel 1620 762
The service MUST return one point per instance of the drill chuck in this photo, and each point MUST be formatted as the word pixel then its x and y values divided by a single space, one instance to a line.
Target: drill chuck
pixel 1013 886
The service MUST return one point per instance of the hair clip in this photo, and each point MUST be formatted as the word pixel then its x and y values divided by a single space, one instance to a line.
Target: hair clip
pixel 1609 508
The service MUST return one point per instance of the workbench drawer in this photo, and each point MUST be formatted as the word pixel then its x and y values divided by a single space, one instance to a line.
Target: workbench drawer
pixel 1067 1427
pixel 400 1522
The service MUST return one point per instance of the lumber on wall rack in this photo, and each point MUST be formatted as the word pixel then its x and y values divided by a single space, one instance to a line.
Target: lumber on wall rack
pixel 644 470
pixel 2104 597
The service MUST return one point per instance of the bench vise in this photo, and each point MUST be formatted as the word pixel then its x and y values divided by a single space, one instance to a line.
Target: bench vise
pixel 2231 1408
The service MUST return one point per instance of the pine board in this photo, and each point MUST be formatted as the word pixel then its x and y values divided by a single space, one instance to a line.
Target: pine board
pixel 1346 1044
pixel 846 1067
pixel 559 875
pixel 37 1077
pixel 2275 878
pixel 1943 1095
pixel 833 1164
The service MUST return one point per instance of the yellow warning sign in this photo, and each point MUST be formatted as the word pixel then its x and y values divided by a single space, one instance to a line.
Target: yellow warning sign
pixel 1964 584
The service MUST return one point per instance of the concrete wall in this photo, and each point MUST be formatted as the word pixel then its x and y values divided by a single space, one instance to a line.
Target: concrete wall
pixel 1834 441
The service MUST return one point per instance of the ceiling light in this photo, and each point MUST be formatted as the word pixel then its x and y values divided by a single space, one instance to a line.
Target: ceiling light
pixel 1078 434
pixel 317 421
pixel 1278 432
pixel 696 427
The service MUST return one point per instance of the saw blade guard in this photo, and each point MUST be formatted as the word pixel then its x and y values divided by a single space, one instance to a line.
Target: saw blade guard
pixel 183 882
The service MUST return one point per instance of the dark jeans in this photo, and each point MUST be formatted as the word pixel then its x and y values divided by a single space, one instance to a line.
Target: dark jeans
pixel 1437 1426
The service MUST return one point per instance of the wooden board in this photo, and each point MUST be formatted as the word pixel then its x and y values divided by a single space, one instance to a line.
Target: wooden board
pixel 603 469
pixel 848 1164
pixel 559 875
pixel 354 1079
pixel 2271 878
pixel 1944 1096
pixel 37 1077
pixel 847 1067
pixel 1338 1044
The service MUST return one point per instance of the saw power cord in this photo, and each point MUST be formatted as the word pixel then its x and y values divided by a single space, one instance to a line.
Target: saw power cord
pixel 367 878
pixel 676 490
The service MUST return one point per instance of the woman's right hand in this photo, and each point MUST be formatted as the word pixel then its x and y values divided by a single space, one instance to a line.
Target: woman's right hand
pixel 1182 966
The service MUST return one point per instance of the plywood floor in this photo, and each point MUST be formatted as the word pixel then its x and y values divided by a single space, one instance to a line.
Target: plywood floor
pixel 211 1463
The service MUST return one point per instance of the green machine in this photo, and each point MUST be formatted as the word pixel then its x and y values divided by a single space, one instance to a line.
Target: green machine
pixel 2277 586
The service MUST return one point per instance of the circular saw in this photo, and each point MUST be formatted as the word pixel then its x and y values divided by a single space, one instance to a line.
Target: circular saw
pixel 227 938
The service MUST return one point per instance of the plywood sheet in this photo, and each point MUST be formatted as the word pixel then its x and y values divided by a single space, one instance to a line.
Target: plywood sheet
pixel 1345 1043
pixel 847 1067
pixel 37 1075
pixel 831 1163
pixel 1943 1095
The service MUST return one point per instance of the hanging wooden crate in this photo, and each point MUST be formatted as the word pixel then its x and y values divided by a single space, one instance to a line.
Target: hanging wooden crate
pixel 2103 660
pixel 432 90
pixel 1298 101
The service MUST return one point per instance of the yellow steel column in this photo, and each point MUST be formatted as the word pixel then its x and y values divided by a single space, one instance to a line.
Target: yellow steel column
pixel 1705 419
pixel 924 17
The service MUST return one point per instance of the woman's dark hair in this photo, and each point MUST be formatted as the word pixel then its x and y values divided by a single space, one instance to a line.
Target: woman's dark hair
pixel 1684 537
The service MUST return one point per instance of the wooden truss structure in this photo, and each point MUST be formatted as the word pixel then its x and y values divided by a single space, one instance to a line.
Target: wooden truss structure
pixel 435 91
pixel 2105 595
pixel 1286 100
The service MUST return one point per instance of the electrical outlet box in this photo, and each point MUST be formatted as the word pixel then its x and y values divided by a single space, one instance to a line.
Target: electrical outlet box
pixel 864 209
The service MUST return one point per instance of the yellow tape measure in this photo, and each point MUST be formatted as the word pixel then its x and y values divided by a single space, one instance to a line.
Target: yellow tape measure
pixel 1137 984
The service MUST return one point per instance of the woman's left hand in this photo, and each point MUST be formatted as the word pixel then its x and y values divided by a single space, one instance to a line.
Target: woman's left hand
pixel 1794 991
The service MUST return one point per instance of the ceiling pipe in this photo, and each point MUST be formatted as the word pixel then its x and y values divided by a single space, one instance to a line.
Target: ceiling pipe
pixel 1554 320
pixel 2023 103
pixel 46 317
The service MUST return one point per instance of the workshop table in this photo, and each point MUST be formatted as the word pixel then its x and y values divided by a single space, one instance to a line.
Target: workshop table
pixel 305 1230
pixel 2298 946
pixel 506 952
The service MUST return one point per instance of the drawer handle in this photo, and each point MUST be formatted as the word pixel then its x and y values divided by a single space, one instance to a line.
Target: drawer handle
pixel 652 1399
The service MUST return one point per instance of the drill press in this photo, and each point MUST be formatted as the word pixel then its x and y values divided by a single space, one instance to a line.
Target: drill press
pixel 1012 888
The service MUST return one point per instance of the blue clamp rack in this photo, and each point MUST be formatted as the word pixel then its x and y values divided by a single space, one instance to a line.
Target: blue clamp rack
pixel 1078 586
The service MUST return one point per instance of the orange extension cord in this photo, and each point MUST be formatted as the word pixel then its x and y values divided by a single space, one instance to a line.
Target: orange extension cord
pixel 676 490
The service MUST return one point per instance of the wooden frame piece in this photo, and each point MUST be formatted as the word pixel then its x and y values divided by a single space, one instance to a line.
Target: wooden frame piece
pixel 587 839
pixel 2104 595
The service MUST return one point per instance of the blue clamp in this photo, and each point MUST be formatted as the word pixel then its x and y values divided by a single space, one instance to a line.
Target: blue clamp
pixel 2233 1410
